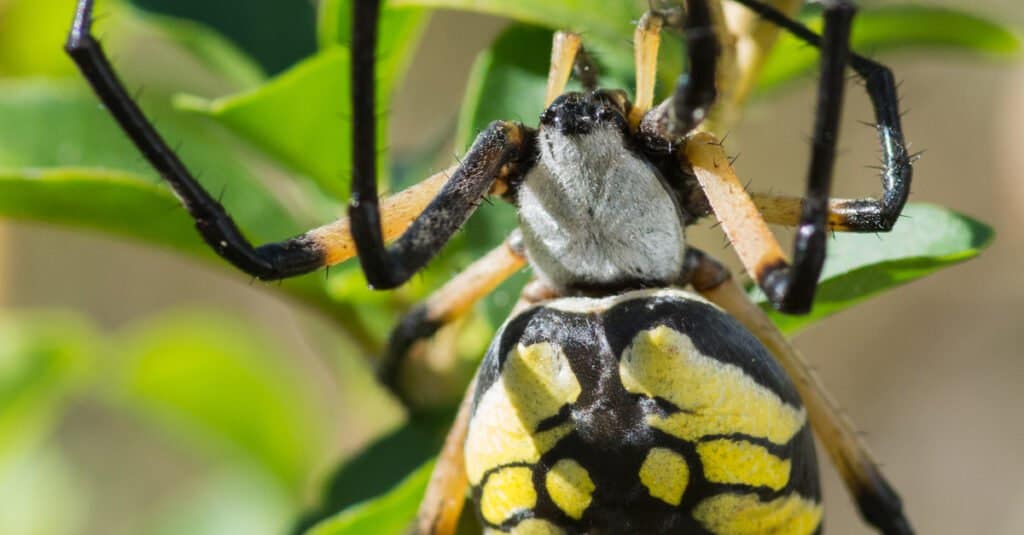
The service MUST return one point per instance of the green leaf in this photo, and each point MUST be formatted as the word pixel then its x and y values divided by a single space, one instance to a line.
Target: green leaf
pixel 117 203
pixel 32 35
pixel 606 26
pixel 609 19
pixel 93 177
pixel 389 514
pixel 380 466
pixel 926 239
pixel 301 117
pixel 400 28
pixel 218 384
pixel 507 82
pixel 43 356
pixel 214 51
pixel 885 29
pixel 89 138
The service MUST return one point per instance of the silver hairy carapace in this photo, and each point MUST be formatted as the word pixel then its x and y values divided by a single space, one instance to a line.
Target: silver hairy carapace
pixel 593 211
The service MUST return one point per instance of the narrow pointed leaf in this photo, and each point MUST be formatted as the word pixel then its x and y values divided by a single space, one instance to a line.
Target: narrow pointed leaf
pixel 926 239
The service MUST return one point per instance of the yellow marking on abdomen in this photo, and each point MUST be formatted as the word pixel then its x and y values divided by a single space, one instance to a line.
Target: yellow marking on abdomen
pixel 718 398
pixel 744 463
pixel 507 492
pixel 530 526
pixel 665 474
pixel 735 514
pixel 570 487
pixel 535 383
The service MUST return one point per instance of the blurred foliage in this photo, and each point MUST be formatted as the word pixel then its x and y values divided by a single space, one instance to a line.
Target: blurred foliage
pixel 216 386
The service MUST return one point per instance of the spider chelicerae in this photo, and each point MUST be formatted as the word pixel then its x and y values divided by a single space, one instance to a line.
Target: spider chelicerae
pixel 612 400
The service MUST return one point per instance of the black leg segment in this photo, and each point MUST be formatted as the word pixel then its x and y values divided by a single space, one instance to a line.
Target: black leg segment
pixel 695 91
pixel 865 215
pixel 272 261
pixel 791 288
pixel 490 156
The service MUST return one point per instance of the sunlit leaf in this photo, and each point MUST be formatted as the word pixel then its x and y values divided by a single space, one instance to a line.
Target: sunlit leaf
pixel 606 26
pixel 883 29
pixel 926 239
pixel 610 19
pixel 109 201
pixel 32 35
pixel 34 110
pixel 400 28
pixel 302 117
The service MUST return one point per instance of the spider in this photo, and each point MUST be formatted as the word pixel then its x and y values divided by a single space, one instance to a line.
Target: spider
pixel 612 400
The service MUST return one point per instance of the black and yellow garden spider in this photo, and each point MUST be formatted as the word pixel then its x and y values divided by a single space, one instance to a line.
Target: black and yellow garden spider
pixel 612 400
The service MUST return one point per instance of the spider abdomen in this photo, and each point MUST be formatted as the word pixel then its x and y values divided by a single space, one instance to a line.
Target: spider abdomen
pixel 650 412
pixel 597 216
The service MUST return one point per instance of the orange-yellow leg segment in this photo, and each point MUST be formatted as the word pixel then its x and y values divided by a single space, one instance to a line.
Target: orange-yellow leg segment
pixel 446 493
pixel 564 48
pixel 646 41
pixel 786 210
pixel 398 211
pixel 757 247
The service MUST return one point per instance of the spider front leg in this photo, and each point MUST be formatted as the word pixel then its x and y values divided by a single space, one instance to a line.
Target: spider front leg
pixel 877 502
pixel 791 287
pixel 855 215
pixel 493 151
pixel 422 218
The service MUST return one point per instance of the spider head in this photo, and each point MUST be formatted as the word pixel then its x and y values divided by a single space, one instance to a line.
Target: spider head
pixel 580 113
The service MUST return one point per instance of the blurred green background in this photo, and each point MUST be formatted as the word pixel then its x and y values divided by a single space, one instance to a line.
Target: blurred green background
pixel 142 391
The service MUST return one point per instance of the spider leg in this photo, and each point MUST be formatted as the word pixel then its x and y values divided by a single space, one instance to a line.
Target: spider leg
pixel 445 202
pixel 868 214
pixel 445 497
pixel 565 46
pixel 586 70
pixel 447 304
pixel 646 42
pixel 789 287
pixel 878 503
pixel 842 216
pixel 487 161
pixel 695 91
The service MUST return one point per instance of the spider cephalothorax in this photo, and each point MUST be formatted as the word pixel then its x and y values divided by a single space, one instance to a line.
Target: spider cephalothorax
pixel 710 434
pixel 597 216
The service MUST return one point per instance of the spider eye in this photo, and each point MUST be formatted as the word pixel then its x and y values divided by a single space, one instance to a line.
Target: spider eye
pixel 547 116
